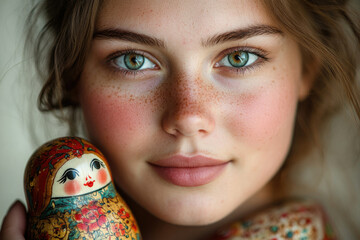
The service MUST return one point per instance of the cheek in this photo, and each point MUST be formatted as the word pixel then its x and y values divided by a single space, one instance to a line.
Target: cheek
pixel 264 116
pixel 72 187
pixel 113 119
pixel 102 176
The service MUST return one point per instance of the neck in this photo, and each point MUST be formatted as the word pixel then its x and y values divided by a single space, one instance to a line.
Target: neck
pixel 153 228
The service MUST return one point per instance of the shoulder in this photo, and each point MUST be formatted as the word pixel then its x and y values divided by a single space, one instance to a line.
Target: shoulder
pixel 292 219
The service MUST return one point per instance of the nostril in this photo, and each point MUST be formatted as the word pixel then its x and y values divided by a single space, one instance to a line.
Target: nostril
pixel 188 124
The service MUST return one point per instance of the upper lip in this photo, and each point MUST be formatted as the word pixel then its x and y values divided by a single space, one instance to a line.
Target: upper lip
pixel 180 161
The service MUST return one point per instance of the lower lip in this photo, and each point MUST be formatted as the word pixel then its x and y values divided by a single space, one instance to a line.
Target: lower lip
pixel 190 176
pixel 89 184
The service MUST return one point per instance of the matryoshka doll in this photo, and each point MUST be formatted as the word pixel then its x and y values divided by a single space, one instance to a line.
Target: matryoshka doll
pixel 71 195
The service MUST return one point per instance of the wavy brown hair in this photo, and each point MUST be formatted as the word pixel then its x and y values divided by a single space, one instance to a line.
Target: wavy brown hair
pixel 329 36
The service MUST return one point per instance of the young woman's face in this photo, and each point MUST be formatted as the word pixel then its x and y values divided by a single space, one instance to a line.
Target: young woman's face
pixel 192 102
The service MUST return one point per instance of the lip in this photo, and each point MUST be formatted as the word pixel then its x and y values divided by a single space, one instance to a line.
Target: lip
pixel 89 183
pixel 189 171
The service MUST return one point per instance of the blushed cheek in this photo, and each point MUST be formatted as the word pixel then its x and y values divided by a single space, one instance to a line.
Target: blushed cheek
pixel 102 176
pixel 263 116
pixel 72 187
pixel 113 119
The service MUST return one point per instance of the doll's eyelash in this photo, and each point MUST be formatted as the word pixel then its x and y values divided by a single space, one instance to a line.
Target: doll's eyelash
pixel 65 176
pixel 98 163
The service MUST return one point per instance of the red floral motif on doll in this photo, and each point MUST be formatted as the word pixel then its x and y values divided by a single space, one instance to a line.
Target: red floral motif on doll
pixel 118 229
pixel 58 152
pixel 44 236
pixel 123 214
pixel 126 217
pixel 291 220
pixel 91 218
pixel 47 236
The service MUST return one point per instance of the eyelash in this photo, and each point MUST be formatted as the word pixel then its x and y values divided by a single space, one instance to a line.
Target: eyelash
pixel 112 57
pixel 260 53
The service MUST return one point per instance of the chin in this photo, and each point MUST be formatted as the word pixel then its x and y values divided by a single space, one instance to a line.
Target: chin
pixel 192 221
pixel 193 215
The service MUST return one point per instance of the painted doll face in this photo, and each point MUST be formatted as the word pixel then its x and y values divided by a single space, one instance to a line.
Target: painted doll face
pixel 80 176
pixel 192 102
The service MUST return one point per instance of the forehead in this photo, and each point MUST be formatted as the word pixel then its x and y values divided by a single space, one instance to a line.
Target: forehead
pixel 82 161
pixel 188 18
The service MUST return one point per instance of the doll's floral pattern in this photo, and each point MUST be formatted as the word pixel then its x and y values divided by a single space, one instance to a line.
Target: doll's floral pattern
pixel 93 214
pixel 96 217
pixel 300 220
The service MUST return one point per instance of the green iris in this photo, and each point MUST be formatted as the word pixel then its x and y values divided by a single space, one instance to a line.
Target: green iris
pixel 238 59
pixel 134 61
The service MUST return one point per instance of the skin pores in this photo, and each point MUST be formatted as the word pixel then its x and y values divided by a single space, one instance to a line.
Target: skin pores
pixel 186 102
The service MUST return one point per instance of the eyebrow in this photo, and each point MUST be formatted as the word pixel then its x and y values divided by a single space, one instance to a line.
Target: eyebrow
pixel 242 33
pixel 114 33
pixel 239 34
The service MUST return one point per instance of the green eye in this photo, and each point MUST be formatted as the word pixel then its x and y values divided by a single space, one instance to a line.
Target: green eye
pixel 238 58
pixel 134 61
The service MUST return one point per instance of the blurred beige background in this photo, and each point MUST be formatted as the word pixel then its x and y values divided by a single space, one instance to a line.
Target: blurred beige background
pixel 14 139
pixel 22 127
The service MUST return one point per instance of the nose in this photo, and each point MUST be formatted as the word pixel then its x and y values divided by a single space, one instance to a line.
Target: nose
pixel 188 109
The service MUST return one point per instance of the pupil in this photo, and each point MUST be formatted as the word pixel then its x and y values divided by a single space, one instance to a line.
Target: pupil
pixel 134 61
pixel 71 175
pixel 238 59
pixel 97 165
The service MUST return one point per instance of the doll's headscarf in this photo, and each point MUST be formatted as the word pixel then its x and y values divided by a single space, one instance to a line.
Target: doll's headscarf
pixel 43 165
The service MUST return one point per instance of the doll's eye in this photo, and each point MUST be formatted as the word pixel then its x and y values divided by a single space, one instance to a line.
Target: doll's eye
pixel 238 59
pixel 69 174
pixel 97 164
pixel 133 61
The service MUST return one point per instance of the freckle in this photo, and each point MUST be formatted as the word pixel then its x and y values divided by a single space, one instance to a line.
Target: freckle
pixel 274 68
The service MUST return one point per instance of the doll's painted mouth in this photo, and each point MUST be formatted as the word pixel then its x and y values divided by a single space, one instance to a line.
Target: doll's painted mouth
pixel 89 183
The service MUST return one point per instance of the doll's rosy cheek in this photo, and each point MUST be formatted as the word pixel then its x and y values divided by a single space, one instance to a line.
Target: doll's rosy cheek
pixel 102 176
pixel 72 187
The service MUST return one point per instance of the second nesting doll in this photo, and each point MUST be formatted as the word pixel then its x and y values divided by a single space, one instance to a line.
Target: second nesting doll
pixel 70 194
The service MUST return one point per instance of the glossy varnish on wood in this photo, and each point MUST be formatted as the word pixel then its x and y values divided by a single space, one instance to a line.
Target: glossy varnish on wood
pixel 71 195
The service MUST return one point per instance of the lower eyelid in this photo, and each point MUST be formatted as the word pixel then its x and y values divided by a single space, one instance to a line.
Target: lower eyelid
pixel 235 72
pixel 225 59
pixel 112 58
